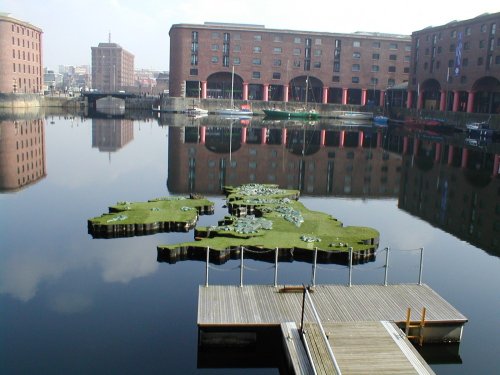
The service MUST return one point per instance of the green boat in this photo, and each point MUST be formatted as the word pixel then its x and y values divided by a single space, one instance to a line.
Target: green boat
pixel 282 114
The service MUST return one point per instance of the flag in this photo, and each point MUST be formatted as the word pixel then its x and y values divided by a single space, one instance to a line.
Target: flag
pixel 458 55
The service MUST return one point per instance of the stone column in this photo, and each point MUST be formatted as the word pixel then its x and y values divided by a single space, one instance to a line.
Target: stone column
pixel 245 90
pixel 266 92
pixel 409 99
pixel 285 93
pixel 322 137
pixel 244 131
pixel 465 158
pixel 470 101
pixel 361 137
pixel 455 101
pixel 442 101
pixel 363 96
pixel 203 133
pixel 344 96
pixel 382 98
pixel 263 134
pixel 203 89
pixel 325 94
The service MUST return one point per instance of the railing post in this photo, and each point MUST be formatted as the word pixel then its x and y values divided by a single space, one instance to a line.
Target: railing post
pixel 386 265
pixel 350 266
pixel 421 266
pixel 314 266
pixel 241 265
pixel 276 268
pixel 207 266
pixel 303 310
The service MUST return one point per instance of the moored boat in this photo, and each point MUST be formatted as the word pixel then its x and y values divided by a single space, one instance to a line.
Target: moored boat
pixel 352 115
pixel 284 114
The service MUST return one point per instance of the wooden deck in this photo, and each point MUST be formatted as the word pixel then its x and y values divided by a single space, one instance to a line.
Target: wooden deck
pixel 359 322
pixel 264 304
pixel 371 348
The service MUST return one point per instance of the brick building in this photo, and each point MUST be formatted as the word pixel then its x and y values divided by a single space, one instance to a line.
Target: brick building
pixel 456 66
pixel 20 56
pixel 346 162
pixel 272 64
pixel 22 153
pixel 112 67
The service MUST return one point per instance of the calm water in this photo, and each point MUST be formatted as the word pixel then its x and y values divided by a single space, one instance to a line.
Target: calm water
pixel 74 304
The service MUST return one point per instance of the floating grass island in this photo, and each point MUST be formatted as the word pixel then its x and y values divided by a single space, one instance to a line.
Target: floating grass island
pixel 264 217
pixel 167 214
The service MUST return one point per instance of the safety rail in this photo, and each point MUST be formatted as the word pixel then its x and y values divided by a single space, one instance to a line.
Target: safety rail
pixel 242 266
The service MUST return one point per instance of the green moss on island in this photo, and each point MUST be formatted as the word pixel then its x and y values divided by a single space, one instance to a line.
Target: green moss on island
pixel 156 215
pixel 266 217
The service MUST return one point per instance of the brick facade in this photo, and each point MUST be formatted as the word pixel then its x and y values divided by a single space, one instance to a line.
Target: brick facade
pixel 470 83
pixel 341 68
pixel 21 56
pixel 112 67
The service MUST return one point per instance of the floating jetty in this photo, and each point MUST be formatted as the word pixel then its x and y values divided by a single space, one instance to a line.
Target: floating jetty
pixel 168 214
pixel 356 329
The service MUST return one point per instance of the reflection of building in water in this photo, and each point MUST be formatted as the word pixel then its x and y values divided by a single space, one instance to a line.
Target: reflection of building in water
pixel 109 135
pixel 343 162
pixel 454 188
pixel 22 153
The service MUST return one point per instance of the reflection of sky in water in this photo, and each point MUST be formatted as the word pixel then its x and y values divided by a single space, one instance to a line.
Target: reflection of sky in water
pixel 122 306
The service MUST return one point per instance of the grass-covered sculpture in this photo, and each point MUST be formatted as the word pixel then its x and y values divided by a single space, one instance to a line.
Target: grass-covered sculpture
pixel 168 214
pixel 266 217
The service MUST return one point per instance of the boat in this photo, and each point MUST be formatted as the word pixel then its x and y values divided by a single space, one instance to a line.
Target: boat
pixel 244 110
pixel 299 113
pixel 195 110
pixel 380 120
pixel 352 115
pixel 294 114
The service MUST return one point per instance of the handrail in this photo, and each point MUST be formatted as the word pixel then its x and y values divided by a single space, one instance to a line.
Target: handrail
pixel 322 330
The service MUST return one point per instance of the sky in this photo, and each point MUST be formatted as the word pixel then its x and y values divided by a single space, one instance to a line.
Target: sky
pixel 72 27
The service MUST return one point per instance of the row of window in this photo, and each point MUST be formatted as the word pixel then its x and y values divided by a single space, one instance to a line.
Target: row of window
pixel 29 56
pixel 465 62
pixel 466 46
pixel 25 43
pixel 316 64
pixel 298 51
pixel 468 31
pixel 24 31
pixel 299 40
pixel 30 70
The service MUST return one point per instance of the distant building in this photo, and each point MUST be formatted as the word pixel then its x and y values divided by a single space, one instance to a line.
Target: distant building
pixel 456 67
pixel 273 64
pixel 52 81
pixel 112 67
pixel 21 68
pixel 162 81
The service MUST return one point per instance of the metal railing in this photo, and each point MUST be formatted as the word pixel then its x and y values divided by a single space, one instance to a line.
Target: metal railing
pixel 350 267
pixel 310 315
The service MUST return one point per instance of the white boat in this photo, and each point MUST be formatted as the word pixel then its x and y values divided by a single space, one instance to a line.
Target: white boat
pixel 232 110
pixel 478 125
pixel 196 111
pixel 351 115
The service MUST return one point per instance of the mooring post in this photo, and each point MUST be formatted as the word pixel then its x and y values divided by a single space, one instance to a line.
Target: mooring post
pixel 421 266
pixel 386 265
pixel 314 266
pixel 207 266
pixel 276 268
pixel 350 266
pixel 241 266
